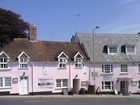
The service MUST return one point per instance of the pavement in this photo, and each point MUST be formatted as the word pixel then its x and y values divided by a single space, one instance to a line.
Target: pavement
pixel 70 96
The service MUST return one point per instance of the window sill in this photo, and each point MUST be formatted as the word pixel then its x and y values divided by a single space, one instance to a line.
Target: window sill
pixel 23 68
pixel 112 53
pixel 3 69
pixel 6 87
pixel 123 73
pixel 78 67
pixel 106 73
pixel 62 68
pixel 107 90
pixel 59 88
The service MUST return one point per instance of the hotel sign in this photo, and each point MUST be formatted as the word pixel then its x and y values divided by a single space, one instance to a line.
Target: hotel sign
pixel 45 82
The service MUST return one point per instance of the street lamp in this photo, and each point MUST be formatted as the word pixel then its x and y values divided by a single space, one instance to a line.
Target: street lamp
pixel 93 36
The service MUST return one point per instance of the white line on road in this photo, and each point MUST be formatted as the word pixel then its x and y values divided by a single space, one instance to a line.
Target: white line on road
pixel 35 101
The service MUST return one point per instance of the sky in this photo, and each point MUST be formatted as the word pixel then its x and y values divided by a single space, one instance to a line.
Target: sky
pixel 58 20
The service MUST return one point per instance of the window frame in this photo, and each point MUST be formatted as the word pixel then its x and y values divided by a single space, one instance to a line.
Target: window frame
pixel 107 68
pixel 24 62
pixel 138 68
pixel 138 86
pixel 105 86
pixel 127 46
pixel 4 64
pixel 110 50
pixel 122 70
pixel 4 83
pixel 77 63
pixel 64 64
pixel 63 83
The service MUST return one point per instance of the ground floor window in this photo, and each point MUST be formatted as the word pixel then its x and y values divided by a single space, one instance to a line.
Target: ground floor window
pixel 107 85
pixel 61 83
pixel 139 85
pixel 5 82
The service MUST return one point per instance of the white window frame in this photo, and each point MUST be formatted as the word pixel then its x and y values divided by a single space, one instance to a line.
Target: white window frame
pixel 127 52
pixel 138 68
pixel 3 83
pixel 124 70
pixel 111 48
pixel 4 63
pixel 105 86
pixel 138 86
pixel 107 69
pixel 78 62
pixel 24 62
pixel 63 83
pixel 62 64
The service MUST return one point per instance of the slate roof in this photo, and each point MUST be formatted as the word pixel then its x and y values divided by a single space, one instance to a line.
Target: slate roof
pixel 100 40
pixel 42 50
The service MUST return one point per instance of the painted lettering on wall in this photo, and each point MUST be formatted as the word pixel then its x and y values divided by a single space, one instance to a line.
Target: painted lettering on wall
pixel 45 82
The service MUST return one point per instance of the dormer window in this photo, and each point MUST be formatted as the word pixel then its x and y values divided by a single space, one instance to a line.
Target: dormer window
pixel 112 49
pixel 3 63
pixel 62 60
pixel 4 58
pixel 23 59
pixel 130 49
pixel 23 63
pixel 78 60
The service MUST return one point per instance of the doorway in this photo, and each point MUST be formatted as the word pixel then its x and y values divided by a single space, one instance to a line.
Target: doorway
pixel 124 87
pixel 76 85
pixel 23 88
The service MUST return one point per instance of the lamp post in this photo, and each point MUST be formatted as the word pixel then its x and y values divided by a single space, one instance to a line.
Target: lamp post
pixel 93 36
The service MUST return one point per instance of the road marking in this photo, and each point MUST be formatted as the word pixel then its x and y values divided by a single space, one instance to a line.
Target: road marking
pixel 35 101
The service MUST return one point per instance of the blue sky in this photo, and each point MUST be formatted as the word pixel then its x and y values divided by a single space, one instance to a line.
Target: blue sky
pixel 58 20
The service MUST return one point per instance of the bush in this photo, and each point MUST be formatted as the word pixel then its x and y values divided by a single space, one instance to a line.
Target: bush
pixel 71 92
pixel 82 91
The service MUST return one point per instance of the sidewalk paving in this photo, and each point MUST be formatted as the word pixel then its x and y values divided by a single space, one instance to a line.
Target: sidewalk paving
pixel 70 96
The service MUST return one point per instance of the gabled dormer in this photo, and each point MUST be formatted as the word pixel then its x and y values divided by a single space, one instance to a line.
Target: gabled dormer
pixel 62 60
pixel 4 59
pixel 23 60
pixel 78 60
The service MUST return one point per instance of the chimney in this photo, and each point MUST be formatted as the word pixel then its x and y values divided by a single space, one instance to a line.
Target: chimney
pixel 32 32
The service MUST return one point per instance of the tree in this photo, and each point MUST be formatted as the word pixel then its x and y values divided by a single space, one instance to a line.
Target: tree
pixel 11 26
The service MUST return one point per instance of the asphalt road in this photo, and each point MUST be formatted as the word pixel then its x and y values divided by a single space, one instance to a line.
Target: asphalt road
pixel 70 101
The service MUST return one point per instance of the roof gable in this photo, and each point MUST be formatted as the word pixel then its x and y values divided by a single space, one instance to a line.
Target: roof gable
pixel 3 54
pixel 78 54
pixel 62 54
pixel 23 54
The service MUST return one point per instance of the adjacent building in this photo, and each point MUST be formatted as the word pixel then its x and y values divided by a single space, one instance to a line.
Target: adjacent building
pixel 116 61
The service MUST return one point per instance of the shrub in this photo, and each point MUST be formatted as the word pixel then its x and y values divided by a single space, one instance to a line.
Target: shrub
pixel 82 91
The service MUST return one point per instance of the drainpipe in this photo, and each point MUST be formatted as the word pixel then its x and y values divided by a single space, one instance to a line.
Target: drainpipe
pixel 89 73
pixel 32 78
pixel 69 77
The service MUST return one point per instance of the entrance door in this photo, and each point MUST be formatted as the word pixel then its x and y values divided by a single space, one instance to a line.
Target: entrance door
pixel 76 85
pixel 124 87
pixel 23 88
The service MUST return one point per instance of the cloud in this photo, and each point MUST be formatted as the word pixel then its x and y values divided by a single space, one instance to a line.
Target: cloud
pixel 127 20
pixel 131 28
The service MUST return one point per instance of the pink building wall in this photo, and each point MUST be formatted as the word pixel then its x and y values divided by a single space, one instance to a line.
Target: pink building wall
pixel 131 76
